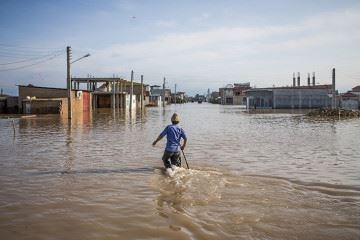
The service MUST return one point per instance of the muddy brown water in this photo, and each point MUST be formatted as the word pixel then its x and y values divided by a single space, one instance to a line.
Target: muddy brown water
pixel 253 176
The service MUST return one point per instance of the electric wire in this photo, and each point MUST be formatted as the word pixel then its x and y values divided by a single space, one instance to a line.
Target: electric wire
pixel 30 59
pixel 27 47
pixel 33 64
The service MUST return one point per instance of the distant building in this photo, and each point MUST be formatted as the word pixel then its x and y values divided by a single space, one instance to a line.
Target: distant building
pixel 227 94
pixel 8 104
pixel 99 93
pixel 113 92
pixel 356 90
pixel 179 97
pixel 239 97
pixel 351 99
pixel 157 94
pixel 234 94
pixel 215 98
pixel 290 97
pixel 199 98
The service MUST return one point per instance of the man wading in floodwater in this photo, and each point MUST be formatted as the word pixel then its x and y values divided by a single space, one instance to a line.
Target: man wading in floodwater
pixel 173 133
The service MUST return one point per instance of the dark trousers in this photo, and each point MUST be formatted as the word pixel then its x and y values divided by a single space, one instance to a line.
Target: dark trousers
pixel 171 158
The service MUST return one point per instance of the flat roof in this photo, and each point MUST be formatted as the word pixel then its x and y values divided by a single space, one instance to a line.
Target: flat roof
pixel 86 80
pixel 324 86
pixel 32 86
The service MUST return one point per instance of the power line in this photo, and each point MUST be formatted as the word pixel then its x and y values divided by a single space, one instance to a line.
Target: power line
pixel 33 64
pixel 14 54
pixel 31 59
pixel 27 47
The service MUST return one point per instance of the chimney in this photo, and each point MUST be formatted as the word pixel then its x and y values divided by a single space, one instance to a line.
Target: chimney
pixel 298 79
pixel 294 81
pixel 333 90
pixel 313 78
pixel 308 79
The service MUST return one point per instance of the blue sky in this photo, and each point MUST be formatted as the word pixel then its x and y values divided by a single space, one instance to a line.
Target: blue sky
pixel 195 44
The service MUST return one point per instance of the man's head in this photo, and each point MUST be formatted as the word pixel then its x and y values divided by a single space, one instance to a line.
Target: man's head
pixel 175 119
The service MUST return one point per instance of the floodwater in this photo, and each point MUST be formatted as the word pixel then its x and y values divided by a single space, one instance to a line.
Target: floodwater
pixel 252 176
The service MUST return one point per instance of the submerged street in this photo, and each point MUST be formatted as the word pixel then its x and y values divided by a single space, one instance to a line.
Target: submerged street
pixel 252 176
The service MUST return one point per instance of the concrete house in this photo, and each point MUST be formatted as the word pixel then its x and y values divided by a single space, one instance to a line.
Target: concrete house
pixel 239 97
pixel 234 94
pixel 227 94
pixel 351 99
pixel 157 94
pixel 113 92
pixel 44 100
pixel 8 104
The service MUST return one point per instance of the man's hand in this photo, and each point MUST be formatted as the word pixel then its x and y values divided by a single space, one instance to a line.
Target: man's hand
pixel 154 143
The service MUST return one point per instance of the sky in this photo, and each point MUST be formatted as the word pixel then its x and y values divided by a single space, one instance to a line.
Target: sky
pixel 197 45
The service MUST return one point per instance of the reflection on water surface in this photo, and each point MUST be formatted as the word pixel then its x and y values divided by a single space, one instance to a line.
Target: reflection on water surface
pixel 253 176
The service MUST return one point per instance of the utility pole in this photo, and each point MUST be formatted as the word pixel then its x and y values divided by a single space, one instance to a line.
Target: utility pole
pixel 164 92
pixel 142 93
pixel 131 89
pixel 113 91
pixel 68 78
pixel 175 93
pixel 333 89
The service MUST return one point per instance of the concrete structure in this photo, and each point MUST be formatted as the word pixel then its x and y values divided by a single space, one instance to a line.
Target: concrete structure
pixel 9 104
pixel 113 92
pixel 156 95
pixel 234 94
pixel 178 97
pixel 215 98
pixel 351 99
pixel 34 99
pixel 239 97
pixel 227 94
pixel 290 97
pixel 356 90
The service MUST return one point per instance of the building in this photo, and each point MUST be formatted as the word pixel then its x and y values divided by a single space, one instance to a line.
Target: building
pixel 178 97
pixel 215 98
pixel 227 94
pixel 239 97
pixel 113 92
pixel 155 97
pixel 157 94
pixel 351 99
pixel 317 96
pixel 44 100
pixel 99 93
pixel 234 94
pixel 8 104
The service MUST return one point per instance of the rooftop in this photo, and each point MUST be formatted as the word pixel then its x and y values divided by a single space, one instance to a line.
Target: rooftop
pixel 356 89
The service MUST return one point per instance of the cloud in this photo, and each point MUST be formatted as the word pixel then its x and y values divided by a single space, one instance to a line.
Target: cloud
pixel 166 23
pixel 264 55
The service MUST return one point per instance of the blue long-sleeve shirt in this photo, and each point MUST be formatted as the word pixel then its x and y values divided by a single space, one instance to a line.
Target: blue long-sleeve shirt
pixel 173 133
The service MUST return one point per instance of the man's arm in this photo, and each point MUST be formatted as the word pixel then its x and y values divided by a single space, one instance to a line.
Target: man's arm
pixel 184 144
pixel 158 139
pixel 162 134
